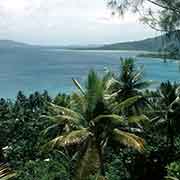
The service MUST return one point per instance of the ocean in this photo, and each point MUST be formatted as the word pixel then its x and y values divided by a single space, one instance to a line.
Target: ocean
pixel 30 69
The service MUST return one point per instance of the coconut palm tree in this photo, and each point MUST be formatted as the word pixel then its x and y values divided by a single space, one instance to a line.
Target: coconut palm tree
pixel 129 83
pixel 166 110
pixel 90 125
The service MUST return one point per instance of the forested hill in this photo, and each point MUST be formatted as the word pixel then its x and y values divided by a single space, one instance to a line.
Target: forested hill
pixel 167 41
pixel 151 44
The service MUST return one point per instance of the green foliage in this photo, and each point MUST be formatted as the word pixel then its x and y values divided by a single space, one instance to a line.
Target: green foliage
pixel 116 167
pixel 42 170
pixel 26 127
pixel 62 100
pixel 174 170
pixel 127 87
pixel 96 125
pixel 96 130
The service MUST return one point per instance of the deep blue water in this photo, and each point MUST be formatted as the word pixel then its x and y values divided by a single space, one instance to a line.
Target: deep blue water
pixel 32 70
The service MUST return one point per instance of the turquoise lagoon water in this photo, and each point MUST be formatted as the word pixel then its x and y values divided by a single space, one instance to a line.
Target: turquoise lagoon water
pixel 30 70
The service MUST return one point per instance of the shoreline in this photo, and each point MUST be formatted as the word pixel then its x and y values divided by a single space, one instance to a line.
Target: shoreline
pixel 159 56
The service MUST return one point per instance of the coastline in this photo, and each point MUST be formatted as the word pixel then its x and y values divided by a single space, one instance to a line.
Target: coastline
pixel 160 56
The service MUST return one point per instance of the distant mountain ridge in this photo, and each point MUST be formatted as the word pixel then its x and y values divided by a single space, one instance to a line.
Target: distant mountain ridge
pixel 15 44
pixel 10 44
pixel 150 44
pixel 166 41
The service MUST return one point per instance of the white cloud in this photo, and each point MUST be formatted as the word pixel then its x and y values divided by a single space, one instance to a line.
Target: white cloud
pixel 61 21
pixel 76 9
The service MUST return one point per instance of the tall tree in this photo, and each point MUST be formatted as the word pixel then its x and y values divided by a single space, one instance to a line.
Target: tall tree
pixel 129 83
pixel 166 111
pixel 90 125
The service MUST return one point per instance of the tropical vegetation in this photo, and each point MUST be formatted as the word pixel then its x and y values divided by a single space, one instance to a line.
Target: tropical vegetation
pixel 113 127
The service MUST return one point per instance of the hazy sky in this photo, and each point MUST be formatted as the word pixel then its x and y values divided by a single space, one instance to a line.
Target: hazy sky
pixel 67 22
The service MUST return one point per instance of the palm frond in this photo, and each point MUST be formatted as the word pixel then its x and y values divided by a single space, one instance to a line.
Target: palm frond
pixel 77 84
pixel 177 100
pixel 107 76
pixel 63 119
pixel 51 130
pixel 178 91
pixel 126 104
pixel 138 75
pixel 161 124
pixel 112 119
pixel 94 86
pixel 64 111
pixel 171 178
pixel 113 95
pixel 139 120
pixel 73 138
pixel 78 102
pixel 128 139
pixel 144 84
pixel 5 172
pixel 111 82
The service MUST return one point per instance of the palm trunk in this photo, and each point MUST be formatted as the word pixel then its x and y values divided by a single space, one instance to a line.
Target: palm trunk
pixel 90 162
pixel 171 139
pixel 102 168
pixel 172 142
pixel 1 155
pixel 171 136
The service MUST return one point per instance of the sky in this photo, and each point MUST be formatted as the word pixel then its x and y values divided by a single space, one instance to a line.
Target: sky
pixel 67 22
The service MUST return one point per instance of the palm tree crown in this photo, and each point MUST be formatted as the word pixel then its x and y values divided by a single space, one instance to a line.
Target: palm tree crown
pixel 91 124
pixel 130 80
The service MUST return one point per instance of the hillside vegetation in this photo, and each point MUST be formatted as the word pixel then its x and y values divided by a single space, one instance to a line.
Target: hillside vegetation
pixel 167 41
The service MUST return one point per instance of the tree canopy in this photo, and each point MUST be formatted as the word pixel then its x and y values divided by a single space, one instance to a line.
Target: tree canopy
pixel 161 15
